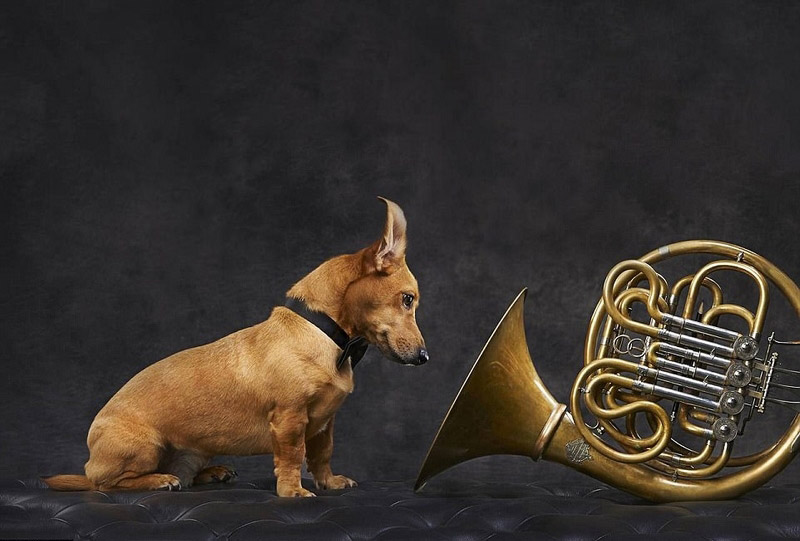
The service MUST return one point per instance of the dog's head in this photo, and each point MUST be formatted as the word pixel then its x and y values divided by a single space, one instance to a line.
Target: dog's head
pixel 381 304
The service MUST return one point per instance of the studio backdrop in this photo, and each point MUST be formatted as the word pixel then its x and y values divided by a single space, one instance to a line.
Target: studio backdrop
pixel 169 170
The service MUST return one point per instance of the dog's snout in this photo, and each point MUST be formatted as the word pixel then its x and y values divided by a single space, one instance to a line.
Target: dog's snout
pixel 422 356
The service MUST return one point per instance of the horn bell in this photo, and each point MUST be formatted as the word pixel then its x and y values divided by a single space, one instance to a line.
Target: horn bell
pixel 502 407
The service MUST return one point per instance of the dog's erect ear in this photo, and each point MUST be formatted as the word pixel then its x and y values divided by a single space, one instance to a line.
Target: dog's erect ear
pixel 391 248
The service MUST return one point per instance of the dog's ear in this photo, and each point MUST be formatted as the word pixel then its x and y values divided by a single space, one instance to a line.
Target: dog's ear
pixel 390 250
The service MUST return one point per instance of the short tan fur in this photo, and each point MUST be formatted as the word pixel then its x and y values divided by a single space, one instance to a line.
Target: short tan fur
pixel 270 388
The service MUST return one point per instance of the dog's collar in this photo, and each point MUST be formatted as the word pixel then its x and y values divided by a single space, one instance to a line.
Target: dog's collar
pixel 354 347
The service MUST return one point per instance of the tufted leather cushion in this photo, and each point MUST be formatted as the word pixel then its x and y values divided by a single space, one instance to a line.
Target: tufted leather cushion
pixel 390 511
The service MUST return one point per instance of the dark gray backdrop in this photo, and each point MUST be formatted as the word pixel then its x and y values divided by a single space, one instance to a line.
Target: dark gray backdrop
pixel 170 169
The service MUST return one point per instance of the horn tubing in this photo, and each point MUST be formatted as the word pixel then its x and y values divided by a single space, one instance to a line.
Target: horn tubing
pixel 639 479
pixel 758 278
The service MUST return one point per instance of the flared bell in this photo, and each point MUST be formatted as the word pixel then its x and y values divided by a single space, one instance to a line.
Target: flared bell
pixel 502 406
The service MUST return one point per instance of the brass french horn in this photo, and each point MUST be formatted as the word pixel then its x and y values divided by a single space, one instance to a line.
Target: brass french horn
pixel 667 388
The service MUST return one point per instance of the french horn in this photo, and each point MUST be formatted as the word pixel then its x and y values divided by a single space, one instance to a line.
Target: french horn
pixel 665 392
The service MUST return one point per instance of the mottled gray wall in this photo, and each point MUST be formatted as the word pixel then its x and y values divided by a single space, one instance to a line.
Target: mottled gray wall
pixel 170 169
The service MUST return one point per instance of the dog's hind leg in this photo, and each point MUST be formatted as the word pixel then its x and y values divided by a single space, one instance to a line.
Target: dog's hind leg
pixel 184 465
pixel 149 481
pixel 126 457
pixel 192 469
pixel 215 474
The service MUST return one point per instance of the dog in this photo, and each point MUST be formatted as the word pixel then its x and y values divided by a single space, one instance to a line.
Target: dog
pixel 274 387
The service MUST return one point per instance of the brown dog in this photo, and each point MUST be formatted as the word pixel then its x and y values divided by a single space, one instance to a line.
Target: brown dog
pixel 270 388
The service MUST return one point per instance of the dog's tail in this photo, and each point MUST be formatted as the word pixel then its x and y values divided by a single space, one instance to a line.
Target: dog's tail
pixel 68 482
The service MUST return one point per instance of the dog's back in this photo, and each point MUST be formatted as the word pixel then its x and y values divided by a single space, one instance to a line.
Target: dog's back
pixel 270 388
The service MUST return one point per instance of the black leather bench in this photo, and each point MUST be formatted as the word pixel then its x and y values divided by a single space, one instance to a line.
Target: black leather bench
pixel 390 510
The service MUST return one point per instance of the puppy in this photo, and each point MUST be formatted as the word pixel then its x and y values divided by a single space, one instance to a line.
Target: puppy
pixel 271 388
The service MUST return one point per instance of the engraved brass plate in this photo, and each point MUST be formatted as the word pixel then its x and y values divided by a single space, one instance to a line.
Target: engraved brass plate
pixel 578 451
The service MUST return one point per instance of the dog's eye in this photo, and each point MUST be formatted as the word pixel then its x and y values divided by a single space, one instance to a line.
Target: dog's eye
pixel 408 300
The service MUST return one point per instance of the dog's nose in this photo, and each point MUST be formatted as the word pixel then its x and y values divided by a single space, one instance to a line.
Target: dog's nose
pixel 422 358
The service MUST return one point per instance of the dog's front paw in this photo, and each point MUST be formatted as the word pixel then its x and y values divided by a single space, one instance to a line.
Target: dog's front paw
pixel 336 482
pixel 298 492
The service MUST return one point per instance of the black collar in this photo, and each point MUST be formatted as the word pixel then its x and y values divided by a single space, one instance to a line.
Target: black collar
pixel 354 347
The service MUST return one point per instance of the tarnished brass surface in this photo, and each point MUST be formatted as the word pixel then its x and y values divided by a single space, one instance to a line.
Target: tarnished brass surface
pixel 496 414
pixel 503 407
